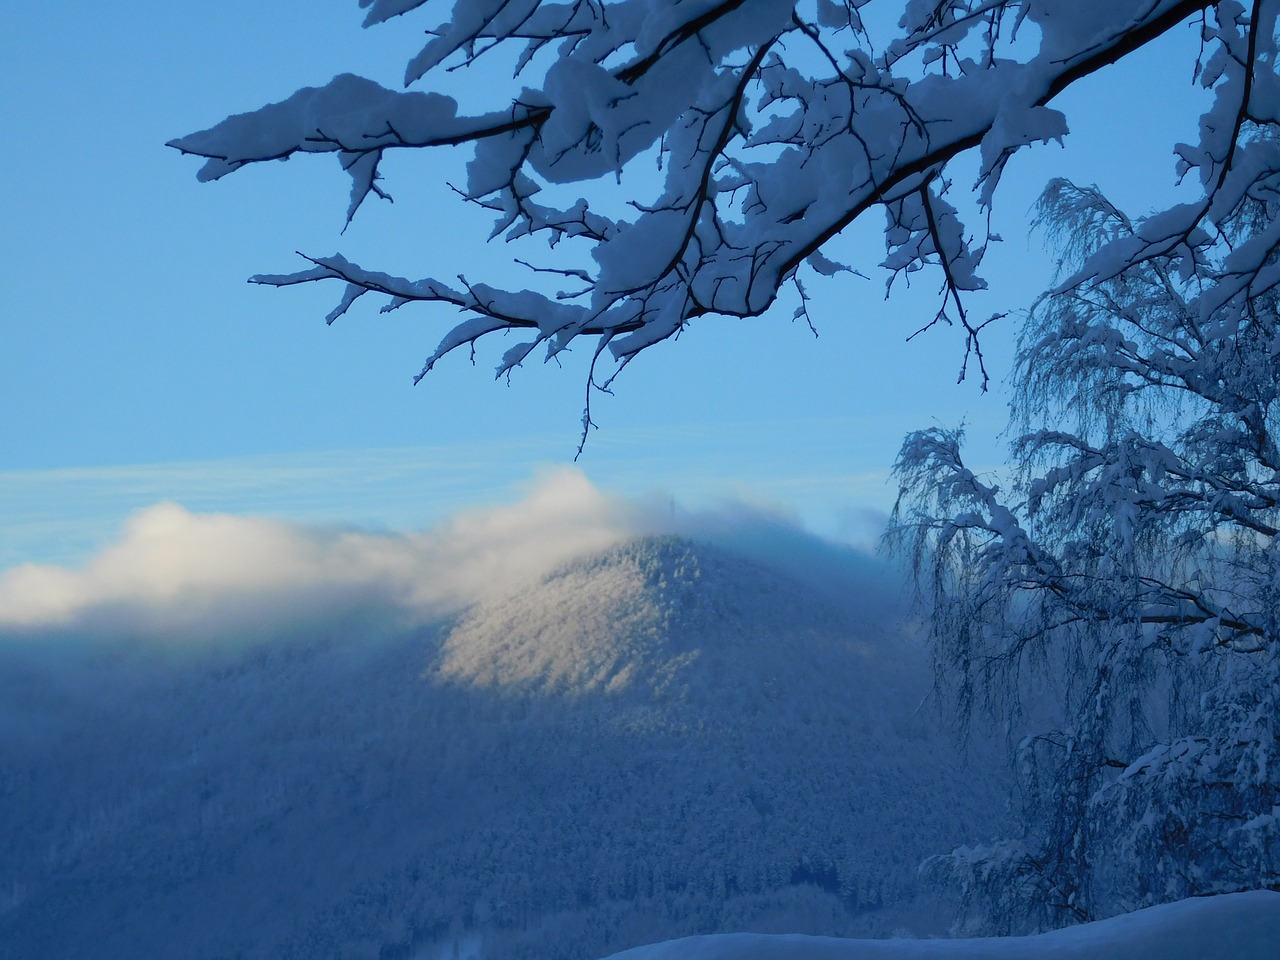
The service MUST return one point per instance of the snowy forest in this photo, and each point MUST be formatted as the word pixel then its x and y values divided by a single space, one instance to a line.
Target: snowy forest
pixel 1078 718
pixel 659 739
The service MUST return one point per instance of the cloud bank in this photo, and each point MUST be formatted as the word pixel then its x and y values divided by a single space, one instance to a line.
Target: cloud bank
pixel 182 577
pixel 176 574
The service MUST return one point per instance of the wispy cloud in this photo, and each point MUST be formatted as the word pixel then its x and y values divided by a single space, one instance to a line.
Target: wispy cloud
pixel 66 515
pixel 174 574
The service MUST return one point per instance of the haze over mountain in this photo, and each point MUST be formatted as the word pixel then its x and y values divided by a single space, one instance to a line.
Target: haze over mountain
pixel 655 739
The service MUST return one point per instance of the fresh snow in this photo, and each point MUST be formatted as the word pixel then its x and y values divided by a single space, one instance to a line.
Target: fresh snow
pixel 1240 926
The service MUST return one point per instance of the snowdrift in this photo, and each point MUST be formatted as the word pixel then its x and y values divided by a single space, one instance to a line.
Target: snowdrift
pixel 1241 926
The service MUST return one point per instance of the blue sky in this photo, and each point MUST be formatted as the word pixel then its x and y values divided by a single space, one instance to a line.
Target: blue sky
pixel 137 366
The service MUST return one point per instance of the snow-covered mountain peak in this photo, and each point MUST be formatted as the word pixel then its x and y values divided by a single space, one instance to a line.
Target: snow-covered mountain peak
pixel 668 619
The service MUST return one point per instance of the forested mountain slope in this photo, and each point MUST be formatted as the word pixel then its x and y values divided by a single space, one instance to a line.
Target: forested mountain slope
pixel 661 740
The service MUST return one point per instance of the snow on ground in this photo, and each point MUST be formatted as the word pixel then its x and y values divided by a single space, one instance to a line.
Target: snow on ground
pixel 1240 926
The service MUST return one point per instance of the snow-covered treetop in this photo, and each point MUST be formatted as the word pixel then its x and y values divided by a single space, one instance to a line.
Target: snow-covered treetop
pixel 775 125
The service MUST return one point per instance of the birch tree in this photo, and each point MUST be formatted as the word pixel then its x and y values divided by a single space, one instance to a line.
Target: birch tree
pixel 1127 583
pixel 1124 577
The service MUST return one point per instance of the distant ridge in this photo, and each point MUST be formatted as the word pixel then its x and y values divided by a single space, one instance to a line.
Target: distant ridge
pixel 663 739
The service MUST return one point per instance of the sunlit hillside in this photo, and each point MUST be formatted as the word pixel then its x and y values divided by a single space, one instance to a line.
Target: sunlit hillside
pixel 659 740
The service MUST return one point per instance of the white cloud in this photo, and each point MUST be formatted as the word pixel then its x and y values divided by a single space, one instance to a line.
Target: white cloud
pixel 185 578
pixel 178 575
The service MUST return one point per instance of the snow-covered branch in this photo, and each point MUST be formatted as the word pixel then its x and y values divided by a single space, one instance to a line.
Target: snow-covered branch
pixel 777 123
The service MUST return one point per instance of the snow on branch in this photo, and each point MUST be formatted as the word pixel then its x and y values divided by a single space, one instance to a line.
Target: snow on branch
pixel 776 123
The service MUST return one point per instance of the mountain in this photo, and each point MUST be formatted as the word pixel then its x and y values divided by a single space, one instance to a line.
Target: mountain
pixel 664 739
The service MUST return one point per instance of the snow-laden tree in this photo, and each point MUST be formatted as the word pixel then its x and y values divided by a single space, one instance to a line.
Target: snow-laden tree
pixel 772 124
pixel 1116 603
pixel 1128 580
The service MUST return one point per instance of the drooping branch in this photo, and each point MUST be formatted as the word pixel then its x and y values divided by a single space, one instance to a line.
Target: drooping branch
pixel 741 209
